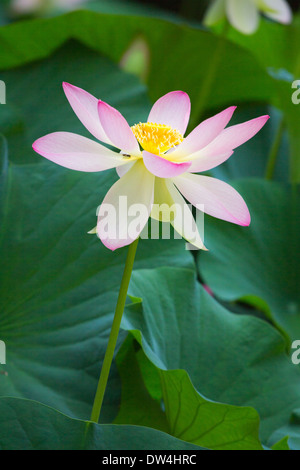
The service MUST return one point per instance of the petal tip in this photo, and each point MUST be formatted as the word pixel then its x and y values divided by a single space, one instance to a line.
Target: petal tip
pixel 103 104
pixel 181 92
pixel 247 222
pixel 35 145
pixel 67 86
pixel 109 245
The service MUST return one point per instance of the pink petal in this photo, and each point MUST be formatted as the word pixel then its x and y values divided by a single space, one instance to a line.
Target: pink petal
pixel 77 153
pixel 163 168
pixel 219 199
pixel 205 163
pixel 85 107
pixel 205 133
pixel 172 109
pixel 117 129
pixel 233 137
pixel 131 197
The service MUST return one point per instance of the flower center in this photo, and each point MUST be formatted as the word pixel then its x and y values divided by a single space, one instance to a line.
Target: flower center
pixel 156 138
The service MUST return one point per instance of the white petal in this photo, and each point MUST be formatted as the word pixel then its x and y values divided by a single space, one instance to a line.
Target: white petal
pixel 122 170
pixel 277 10
pixel 126 208
pixel 215 13
pixel 243 15
pixel 184 222
pixel 170 207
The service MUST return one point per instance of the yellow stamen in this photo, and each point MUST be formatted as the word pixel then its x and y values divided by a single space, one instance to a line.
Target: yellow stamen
pixel 156 138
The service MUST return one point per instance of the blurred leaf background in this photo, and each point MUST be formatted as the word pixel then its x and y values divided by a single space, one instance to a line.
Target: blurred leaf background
pixel 192 370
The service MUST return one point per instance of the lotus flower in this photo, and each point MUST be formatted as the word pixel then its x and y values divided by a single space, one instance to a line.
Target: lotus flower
pixel 244 14
pixel 156 164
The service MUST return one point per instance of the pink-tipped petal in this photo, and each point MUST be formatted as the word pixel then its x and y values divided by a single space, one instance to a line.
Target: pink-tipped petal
pixel 172 109
pixel 278 10
pixel 204 134
pixel 85 106
pixel 204 163
pixel 218 198
pixel 117 129
pixel 77 153
pixel 126 208
pixel 163 168
pixel 232 137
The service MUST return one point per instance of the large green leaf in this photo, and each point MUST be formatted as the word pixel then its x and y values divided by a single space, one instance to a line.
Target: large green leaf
pixel 59 285
pixel 138 407
pixel 33 111
pixel 188 416
pixel 28 425
pixel 262 260
pixel 168 43
pixel 129 7
pixel 238 360
pixel 59 288
pixel 283 444
pixel 215 426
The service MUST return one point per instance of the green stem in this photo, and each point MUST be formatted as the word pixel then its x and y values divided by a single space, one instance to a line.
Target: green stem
pixel 114 333
pixel 274 151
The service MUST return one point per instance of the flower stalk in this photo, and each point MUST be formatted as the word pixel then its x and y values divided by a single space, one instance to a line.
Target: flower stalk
pixel 114 333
